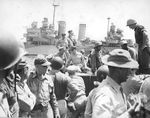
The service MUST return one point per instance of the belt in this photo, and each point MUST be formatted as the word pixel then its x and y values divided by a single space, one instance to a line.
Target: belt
pixel 40 107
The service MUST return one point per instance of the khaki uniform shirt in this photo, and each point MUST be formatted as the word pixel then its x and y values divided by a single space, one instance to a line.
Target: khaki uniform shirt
pixel 109 101
pixel 4 107
pixel 62 43
pixel 77 82
pixel 96 60
pixel 77 60
pixel 25 94
pixel 43 89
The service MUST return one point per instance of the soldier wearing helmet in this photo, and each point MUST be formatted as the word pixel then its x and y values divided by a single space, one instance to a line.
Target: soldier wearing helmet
pixel 131 22
pixel 11 52
pixel 62 84
pixel 95 57
pixel 71 39
pixel 142 40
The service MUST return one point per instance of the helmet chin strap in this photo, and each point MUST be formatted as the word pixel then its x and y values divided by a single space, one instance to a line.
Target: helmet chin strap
pixel 15 73
pixel 15 77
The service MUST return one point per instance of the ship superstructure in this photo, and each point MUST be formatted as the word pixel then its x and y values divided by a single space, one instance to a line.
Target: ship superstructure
pixel 41 35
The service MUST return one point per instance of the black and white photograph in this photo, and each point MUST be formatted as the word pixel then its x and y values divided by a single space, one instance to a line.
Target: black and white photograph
pixel 74 59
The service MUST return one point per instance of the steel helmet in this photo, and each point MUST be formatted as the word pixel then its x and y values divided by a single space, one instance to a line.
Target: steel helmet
pixel 145 89
pixel 103 70
pixel 97 44
pixel 131 22
pixel 119 30
pixel 57 63
pixel 11 50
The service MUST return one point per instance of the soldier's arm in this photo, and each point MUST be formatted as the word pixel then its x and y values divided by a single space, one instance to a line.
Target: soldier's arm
pixel 54 103
pixel 83 61
pixel 68 42
pixel 29 80
pixel 145 40
pixel 32 96
pixel 68 61
pixel 57 43
pixel 1 96
pixel 88 108
pixel 73 88
pixel 3 91
pixel 2 103
pixel 93 63
pixel 75 42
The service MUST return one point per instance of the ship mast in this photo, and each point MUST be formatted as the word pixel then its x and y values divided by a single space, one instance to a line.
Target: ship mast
pixel 54 5
pixel 108 26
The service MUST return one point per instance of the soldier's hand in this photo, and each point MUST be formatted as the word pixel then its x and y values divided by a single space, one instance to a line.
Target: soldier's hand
pixel 134 104
pixel 71 106
pixel 57 116
pixel 96 83
pixel 134 101
pixel 18 78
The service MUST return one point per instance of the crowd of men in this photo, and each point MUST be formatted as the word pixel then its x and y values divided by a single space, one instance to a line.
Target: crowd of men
pixel 54 87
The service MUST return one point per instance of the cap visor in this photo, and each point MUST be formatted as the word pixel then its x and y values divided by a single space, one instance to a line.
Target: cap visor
pixel 46 64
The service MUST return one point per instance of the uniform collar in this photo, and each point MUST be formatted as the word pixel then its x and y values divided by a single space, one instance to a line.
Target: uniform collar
pixel 35 76
pixel 112 83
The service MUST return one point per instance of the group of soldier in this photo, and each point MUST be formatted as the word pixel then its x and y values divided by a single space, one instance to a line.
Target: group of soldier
pixel 54 87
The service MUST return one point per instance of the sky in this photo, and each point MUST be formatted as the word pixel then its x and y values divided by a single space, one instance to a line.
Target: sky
pixel 17 15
